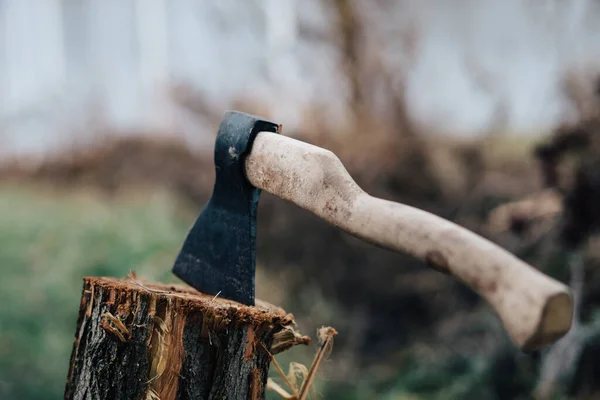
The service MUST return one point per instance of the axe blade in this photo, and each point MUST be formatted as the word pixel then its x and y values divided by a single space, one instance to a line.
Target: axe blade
pixel 218 255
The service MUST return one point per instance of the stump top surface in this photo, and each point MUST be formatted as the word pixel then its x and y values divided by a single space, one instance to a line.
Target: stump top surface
pixel 193 300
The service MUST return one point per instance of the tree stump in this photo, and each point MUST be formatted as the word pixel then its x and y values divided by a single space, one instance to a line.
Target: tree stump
pixel 139 341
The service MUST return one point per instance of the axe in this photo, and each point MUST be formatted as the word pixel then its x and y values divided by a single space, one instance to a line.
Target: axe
pixel 218 255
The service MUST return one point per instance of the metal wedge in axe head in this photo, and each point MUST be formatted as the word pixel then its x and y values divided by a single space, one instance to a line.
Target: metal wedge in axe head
pixel 218 256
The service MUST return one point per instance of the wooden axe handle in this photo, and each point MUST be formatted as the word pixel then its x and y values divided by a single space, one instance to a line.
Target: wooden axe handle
pixel 535 309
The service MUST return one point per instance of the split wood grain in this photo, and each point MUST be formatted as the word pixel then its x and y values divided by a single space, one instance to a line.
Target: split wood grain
pixel 167 342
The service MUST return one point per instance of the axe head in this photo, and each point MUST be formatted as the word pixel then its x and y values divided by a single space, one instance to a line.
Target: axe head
pixel 218 255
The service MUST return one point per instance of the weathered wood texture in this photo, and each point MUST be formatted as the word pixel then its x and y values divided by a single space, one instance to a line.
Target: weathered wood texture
pixel 536 310
pixel 138 341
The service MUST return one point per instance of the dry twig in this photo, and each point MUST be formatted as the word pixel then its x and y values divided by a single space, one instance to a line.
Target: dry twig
pixel 300 392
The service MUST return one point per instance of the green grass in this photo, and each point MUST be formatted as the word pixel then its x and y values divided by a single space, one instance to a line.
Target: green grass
pixel 49 241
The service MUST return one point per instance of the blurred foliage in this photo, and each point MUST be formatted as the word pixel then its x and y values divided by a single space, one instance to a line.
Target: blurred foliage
pixel 53 234
pixel 406 332
pixel 49 242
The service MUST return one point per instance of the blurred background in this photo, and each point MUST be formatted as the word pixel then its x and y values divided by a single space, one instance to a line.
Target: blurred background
pixel 483 112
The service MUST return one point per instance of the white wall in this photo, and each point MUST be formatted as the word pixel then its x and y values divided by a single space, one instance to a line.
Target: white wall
pixel 63 62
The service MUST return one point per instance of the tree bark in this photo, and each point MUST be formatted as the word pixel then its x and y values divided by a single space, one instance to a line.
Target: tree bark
pixel 138 341
pixel 349 30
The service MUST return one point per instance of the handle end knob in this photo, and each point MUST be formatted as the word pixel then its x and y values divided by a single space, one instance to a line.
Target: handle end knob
pixel 555 322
